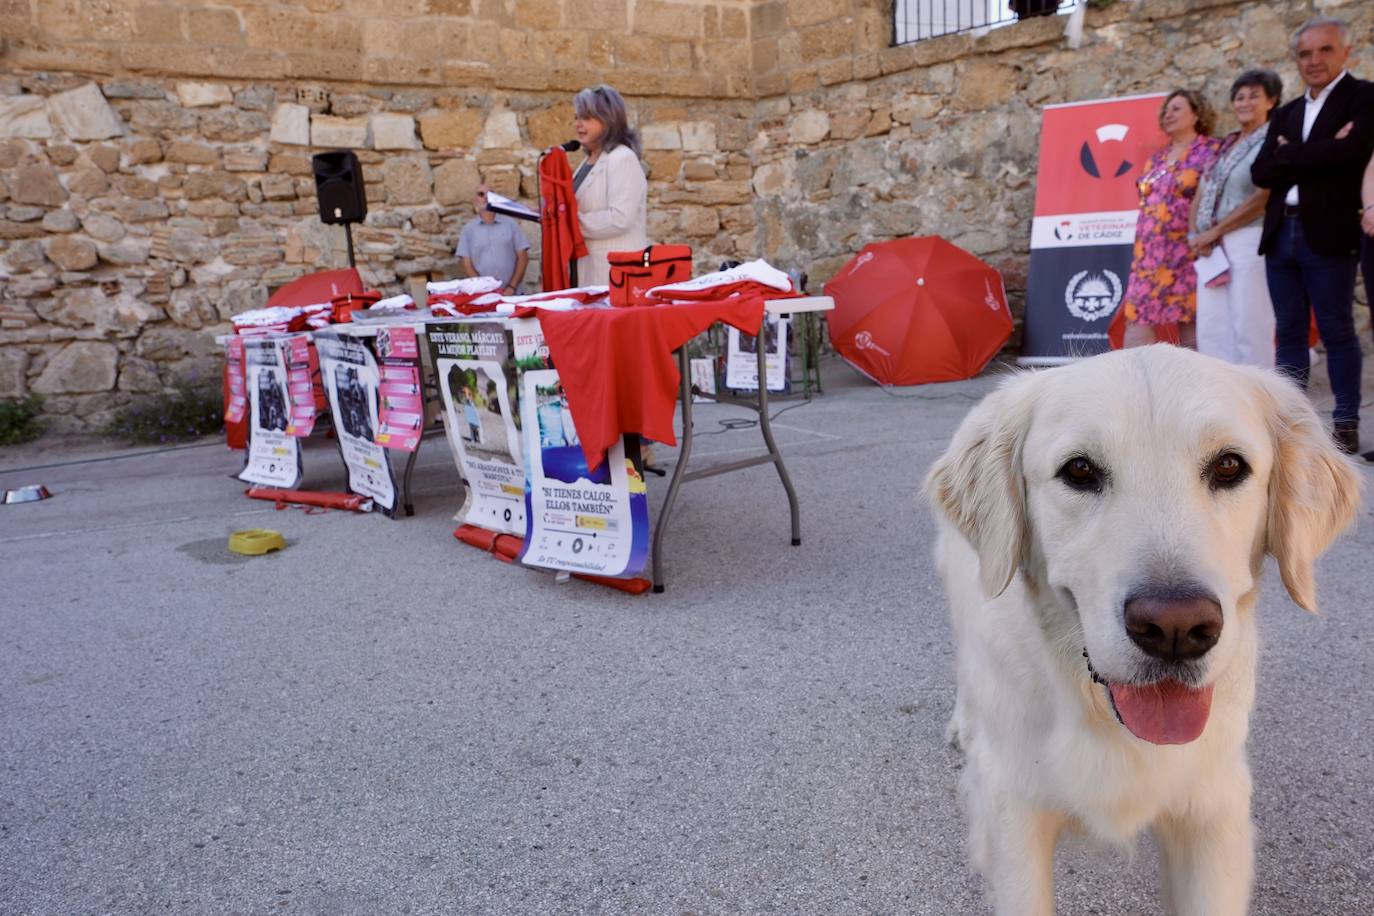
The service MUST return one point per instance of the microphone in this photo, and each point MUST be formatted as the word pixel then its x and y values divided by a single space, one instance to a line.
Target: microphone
pixel 571 146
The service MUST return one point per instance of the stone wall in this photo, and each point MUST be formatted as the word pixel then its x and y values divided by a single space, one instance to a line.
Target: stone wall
pixel 147 197
pixel 859 141
pixel 139 214
pixel 696 48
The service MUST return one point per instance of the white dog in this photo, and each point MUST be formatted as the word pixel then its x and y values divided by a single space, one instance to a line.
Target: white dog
pixel 1103 530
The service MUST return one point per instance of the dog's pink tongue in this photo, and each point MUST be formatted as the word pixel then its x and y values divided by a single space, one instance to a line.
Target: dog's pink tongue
pixel 1165 712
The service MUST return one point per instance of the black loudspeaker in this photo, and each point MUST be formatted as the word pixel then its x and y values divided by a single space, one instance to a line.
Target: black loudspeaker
pixel 339 187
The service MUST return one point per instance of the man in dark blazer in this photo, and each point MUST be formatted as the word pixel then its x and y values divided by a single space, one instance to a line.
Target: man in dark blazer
pixel 1312 162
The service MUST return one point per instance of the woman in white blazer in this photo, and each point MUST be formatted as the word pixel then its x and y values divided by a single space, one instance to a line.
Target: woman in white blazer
pixel 612 193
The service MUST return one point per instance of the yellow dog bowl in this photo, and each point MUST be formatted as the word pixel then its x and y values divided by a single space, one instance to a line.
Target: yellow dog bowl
pixel 255 542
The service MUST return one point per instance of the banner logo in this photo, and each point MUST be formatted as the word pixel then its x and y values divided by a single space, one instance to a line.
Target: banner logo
pixel 864 341
pixel 990 300
pixel 1093 295
pixel 1105 133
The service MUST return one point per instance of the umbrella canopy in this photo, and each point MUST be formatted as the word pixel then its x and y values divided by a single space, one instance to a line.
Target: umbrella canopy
pixel 918 310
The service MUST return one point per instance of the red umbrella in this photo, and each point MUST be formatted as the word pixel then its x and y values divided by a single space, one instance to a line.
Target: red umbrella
pixel 918 310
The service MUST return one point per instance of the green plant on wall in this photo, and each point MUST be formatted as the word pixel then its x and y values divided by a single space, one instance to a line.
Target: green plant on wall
pixel 192 409
pixel 19 419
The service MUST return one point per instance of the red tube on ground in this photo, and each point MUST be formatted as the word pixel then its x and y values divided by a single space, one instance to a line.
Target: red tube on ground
pixel 481 538
pixel 633 586
pixel 507 547
pixel 326 500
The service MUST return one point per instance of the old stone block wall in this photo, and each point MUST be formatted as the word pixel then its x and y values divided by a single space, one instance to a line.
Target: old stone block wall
pixel 155 156
pixel 859 141
pixel 691 48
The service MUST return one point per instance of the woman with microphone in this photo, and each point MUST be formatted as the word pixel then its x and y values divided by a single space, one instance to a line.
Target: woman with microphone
pixel 612 193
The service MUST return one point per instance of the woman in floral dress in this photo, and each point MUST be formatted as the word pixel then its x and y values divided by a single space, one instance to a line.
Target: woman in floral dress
pixel 1162 289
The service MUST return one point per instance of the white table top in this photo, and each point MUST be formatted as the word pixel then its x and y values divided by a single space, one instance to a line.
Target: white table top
pixel 774 307
pixel 802 304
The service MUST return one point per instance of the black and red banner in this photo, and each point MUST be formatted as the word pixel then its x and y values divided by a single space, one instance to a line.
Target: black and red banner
pixel 1083 233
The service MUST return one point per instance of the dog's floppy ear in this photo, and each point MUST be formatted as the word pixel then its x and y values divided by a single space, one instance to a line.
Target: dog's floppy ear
pixel 1314 490
pixel 977 483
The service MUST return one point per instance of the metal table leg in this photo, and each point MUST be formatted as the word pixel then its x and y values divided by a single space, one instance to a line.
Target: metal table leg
pixel 405 484
pixel 766 428
pixel 681 475
pixel 679 469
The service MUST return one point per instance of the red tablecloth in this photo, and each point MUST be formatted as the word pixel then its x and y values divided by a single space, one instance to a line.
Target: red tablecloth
pixel 617 365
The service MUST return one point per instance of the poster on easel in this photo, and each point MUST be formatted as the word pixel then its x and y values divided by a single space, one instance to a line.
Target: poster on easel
pixel 274 458
pixel 578 519
pixel 474 365
pixel 300 386
pixel 742 357
pixel 401 415
pixel 237 407
pixel 348 371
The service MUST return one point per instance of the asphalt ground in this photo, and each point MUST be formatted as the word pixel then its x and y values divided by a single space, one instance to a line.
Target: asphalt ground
pixel 379 719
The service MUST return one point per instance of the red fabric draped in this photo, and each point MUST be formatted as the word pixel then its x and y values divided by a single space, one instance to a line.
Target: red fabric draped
pixel 617 365
pixel 559 229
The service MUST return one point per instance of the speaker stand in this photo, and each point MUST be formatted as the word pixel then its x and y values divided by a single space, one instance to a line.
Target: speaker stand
pixel 348 234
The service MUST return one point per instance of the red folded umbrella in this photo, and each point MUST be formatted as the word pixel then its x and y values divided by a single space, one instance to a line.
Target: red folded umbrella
pixel 918 310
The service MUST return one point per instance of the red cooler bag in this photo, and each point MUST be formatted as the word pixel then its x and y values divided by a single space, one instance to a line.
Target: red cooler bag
pixel 634 273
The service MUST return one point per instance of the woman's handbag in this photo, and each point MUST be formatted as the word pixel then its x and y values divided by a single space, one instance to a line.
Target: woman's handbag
pixel 634 273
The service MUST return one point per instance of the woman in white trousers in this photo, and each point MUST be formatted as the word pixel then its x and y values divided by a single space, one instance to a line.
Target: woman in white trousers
pixel 1235 317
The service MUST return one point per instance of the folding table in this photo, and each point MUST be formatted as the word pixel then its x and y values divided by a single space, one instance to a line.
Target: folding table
pixel 759 403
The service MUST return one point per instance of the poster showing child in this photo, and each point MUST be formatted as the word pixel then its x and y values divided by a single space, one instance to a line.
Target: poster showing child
pixel 475 368
pixel 483 427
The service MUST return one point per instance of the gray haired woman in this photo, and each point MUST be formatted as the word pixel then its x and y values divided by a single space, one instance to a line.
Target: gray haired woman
pixel 1235 317
pixel 612 193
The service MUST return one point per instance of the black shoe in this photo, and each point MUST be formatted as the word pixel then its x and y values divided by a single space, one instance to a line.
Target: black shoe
pixel 1347 437
pixel 1368 456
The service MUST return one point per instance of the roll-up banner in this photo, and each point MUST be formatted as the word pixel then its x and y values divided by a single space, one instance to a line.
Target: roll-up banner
pixel 474 364
pixel 1083 233
pixel 351 381
pixel 274 458
pixel 579 520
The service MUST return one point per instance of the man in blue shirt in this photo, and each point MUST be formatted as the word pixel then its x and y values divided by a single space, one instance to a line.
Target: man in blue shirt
pixel 493 246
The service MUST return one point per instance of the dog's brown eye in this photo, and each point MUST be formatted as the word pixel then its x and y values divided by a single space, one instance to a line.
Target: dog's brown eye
pixel 1227 470
pixel 1081 474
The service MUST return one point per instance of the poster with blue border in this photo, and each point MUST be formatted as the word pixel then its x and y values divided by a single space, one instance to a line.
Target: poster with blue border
pixel 577 520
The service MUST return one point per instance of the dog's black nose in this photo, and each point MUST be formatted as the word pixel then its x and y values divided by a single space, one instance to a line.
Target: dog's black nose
pixel 1174 627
